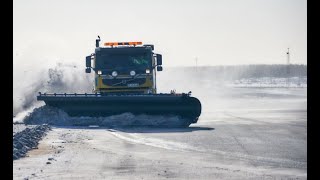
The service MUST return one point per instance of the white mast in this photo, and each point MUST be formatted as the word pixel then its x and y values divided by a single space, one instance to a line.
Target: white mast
pixel 288 66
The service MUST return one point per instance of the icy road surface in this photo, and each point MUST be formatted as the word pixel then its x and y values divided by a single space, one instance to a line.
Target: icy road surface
pixel 242 134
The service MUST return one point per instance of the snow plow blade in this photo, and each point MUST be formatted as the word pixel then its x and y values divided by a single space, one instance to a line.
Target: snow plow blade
pixel 97 105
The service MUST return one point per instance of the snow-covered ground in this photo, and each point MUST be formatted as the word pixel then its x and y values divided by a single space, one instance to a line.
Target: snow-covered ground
pixel 242 133
pixel 292 82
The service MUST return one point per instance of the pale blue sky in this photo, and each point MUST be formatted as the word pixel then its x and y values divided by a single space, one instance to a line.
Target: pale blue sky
pixel 218 32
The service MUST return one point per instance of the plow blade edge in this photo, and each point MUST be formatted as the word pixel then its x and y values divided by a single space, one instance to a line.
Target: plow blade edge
pixel 98 106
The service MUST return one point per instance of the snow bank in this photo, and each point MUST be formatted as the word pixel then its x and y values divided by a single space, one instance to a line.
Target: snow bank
pixel 28 139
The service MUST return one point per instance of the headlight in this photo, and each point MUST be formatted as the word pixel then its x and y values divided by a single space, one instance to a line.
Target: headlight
pixel 132 73
pixel 114 73
pixel 149 91
pixel 147 71
pixel 99 72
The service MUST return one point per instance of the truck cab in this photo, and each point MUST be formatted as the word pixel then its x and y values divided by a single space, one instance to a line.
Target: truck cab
pixel 124 68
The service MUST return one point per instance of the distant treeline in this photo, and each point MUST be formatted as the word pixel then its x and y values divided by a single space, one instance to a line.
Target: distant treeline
pixel 245 71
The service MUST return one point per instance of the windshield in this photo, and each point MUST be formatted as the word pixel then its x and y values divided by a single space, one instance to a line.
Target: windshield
pixel 111 61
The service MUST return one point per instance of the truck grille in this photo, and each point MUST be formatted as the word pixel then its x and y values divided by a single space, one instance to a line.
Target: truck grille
pixel 123 82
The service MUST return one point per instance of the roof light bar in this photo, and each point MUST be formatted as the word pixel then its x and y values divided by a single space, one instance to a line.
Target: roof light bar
pixel 122 43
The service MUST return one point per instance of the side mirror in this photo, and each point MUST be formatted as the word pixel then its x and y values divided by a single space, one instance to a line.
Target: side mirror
pixel 88 61
pixel 88 70
pixel 159 59
pixel 159 68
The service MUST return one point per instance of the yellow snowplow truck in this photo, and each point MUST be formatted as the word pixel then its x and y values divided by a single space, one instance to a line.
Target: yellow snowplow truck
pixel 125 81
